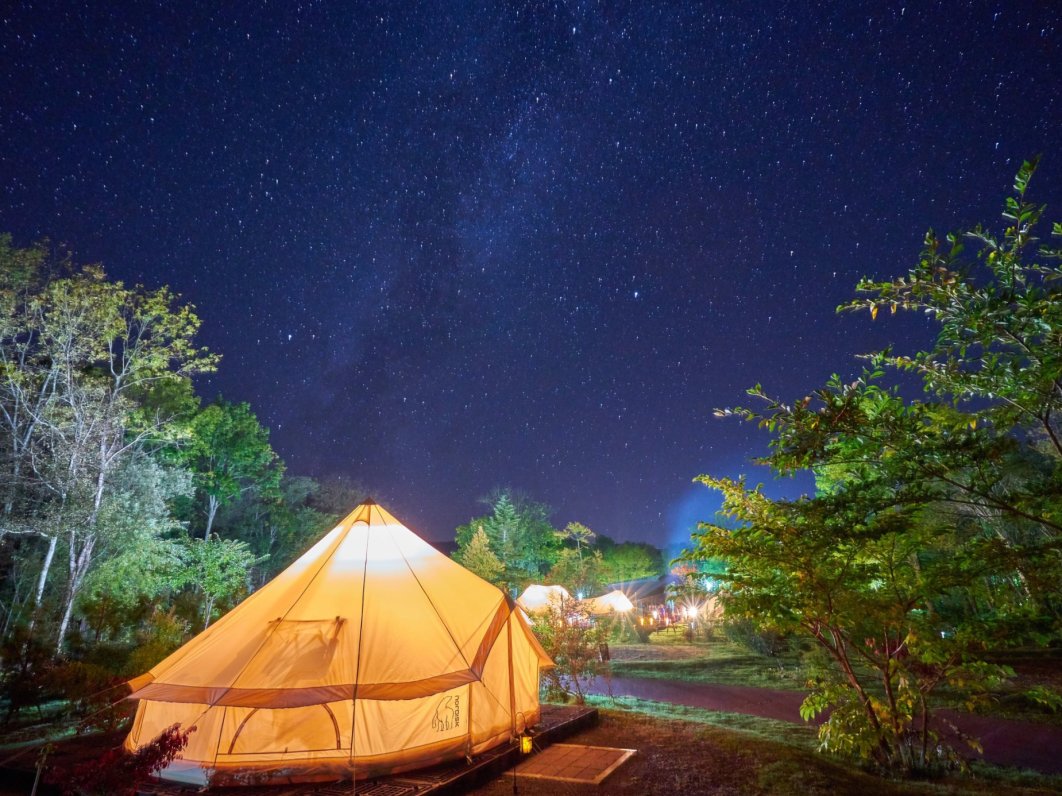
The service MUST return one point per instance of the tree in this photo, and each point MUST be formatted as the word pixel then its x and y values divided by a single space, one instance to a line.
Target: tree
pixel 625 561
pixel 580 574
pixel 480 559
pixel 218 568
pixel 935 527
pixel 861 568
pixel 81 352
pixel 520 534
pixel 1000 317
pixel 229 453
pixel 574 640
pixel 26 382
pixel 579 534
pixel 278 525
pixel 141 559
pixel 337 495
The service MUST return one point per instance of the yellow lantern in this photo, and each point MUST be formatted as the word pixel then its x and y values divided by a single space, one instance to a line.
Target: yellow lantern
pixel 525 744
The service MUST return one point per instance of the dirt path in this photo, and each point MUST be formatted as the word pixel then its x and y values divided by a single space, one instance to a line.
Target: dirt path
pixel 1006 742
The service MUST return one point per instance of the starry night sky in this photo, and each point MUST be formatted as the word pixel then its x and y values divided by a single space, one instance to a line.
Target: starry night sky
pixel 446 247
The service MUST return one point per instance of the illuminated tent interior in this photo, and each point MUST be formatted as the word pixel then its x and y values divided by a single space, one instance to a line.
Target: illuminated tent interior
pixel 614 602
pixel 537 598
pixel 373 653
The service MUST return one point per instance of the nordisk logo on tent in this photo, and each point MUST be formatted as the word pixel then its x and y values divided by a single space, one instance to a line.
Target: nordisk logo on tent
pixel 447 714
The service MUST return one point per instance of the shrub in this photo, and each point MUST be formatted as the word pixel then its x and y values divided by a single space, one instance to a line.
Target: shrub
pixel 118 773
pixel 575 641
pixel 762 642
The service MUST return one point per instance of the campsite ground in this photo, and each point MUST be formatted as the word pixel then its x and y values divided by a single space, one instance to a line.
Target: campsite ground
pixel 669 656
pixel 690 750
pixel 692 756
pixel 685 751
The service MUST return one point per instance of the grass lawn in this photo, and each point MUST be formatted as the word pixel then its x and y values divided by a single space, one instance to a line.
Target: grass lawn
pixel 670 656
pixel 689 752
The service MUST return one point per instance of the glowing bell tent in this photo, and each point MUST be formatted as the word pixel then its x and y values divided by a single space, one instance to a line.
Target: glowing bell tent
pixel 372 654
pixel 615 602
pixel 538 599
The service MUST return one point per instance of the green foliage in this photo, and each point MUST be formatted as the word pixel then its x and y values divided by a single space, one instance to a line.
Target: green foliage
pixel 579 572
pixel 623 561
pixel 138 562
pixel 1000 316
pixel 24 678
pixel 521 536
pixel 91 693
pixel 936 527
pixel 587 561
pixel 1045 696
pixel 335 496
pixel 574 640
pixel 229 453
pixel 278 525
pixel 20 271
pixel 84 363
pixel 750 635
pixel 480 559
pixel 578 534
pixel 106 464
pixel 161 634
pixel 218 568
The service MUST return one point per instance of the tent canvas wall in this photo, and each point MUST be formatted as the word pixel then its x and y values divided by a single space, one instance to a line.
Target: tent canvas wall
pixel 373 653
pixel 538 599
pixel 615 602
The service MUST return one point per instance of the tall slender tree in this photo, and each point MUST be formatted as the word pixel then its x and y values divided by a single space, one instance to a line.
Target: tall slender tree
pixel 229 453
pixel 79 353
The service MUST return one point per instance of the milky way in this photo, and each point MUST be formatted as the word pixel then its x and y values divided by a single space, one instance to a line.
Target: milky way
pixel 444 248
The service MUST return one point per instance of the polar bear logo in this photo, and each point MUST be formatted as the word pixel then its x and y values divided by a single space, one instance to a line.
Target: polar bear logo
pixel 444 718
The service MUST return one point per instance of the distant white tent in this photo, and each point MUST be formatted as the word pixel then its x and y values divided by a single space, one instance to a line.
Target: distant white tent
pixel 373 653
pixel 712 608
pixel 615 602
pixel 537 598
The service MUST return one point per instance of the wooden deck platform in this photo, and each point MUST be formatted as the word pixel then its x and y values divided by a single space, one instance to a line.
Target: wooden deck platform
pixel 558 722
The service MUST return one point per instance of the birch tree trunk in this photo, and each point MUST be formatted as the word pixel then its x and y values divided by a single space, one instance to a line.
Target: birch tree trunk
pixel 212 509
pixel 42 581
pixel 79 565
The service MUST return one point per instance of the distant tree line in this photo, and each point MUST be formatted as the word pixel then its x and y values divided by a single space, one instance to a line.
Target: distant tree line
pixel 516 544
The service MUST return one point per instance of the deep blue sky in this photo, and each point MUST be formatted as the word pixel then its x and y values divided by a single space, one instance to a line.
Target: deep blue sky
pixel 446 247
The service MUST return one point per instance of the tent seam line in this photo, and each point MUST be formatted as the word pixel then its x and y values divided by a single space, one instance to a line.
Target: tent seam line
pixel 361 630
pixel 431 602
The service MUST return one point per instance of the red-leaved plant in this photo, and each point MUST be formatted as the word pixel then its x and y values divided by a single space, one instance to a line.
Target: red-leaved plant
pixel 117 772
